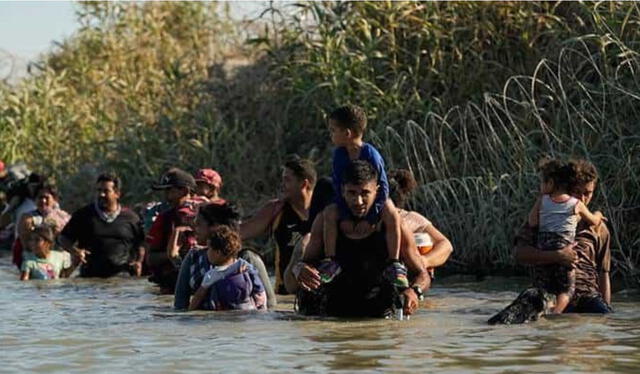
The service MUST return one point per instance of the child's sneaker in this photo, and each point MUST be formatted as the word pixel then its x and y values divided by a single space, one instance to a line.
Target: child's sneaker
pixel 328 270
pixel 396 272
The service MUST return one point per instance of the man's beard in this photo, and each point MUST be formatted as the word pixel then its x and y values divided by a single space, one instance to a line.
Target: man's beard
pixel 102 202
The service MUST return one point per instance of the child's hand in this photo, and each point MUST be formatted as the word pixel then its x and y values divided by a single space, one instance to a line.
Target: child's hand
pixel 601 216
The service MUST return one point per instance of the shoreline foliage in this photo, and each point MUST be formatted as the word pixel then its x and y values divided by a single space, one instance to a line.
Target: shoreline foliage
pixel 467 95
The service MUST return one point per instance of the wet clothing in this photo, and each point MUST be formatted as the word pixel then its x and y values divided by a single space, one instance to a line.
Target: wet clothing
pixel 558 217
pixel 594 257
pixel 112 244
pixel 360 290
pixel 288 230
pixel 234 287
pixel 340 162
pixel 163 272
pixel 555 279
pixel 46 268
pixel 558 222
pixel 588 304
pixel 593 250
pixel 196 264
pixel 151 212
pixel 56 217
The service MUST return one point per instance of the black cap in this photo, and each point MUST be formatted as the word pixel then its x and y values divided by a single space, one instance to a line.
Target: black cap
pixel 175 178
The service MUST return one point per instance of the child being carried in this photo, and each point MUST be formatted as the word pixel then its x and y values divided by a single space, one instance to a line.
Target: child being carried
pixel 557 214
pixel 232 283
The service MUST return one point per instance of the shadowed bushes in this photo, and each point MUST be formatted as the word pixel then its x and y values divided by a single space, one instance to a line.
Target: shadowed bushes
pixel 467 95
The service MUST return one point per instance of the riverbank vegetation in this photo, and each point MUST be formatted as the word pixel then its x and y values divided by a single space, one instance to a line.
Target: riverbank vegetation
pixel 467 95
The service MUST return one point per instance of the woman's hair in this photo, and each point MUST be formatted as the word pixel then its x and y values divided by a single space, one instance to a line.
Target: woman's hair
pixel 401 184
pixel 220 214
pixel 226 240
pixel 49 187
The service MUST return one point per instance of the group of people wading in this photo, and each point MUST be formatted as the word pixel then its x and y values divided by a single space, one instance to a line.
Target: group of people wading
pixel 345 245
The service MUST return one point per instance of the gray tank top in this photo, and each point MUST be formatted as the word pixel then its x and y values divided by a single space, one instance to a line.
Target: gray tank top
pixel 558 217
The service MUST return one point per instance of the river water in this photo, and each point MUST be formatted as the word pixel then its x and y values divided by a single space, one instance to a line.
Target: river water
pixel 123 325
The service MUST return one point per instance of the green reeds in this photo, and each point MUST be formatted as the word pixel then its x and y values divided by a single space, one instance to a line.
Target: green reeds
pixel 468 95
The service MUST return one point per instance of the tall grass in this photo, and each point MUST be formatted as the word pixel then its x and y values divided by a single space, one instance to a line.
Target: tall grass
pixel 467 95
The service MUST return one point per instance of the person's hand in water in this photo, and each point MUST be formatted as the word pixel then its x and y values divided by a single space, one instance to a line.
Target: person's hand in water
pixel 81 255
pixel 309 277
pixel 411 303
pixel 136 268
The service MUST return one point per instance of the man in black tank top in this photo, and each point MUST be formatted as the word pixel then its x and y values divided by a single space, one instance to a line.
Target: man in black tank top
pixel 285 218
pixel 362 289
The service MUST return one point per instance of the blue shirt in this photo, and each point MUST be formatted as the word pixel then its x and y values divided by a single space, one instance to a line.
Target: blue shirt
pixel 370 154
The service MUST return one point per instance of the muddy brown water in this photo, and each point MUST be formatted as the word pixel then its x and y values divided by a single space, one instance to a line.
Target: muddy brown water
pixel 123 325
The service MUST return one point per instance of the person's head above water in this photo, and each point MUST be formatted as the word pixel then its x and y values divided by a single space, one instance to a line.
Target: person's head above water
pixel 226 214
pixel 359 187
pixel 47 196
pixel 223 245
pixel 586 178
pixel 108 190
pixel 347 124
pixel 211 215
pixel 298 178
pixel 401 185
pixel 208 183
pixel 177 184
pixel 40 240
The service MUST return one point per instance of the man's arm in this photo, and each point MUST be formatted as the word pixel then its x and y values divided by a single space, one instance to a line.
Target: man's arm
pixel 306 275
pixel 260 222
pixel 289 278
pixel 79 255
pixel 534 214
pixel 69 236
pixel 603 260
pixel 182 292
pixel 604 284
pixel 441 251
pixel 526 253
pixel 410 255
pixel 412 259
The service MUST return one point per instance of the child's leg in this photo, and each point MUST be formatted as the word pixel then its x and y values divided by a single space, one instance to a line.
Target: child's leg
pixel 330 233
pixel 568 279
pixel 392 222
pixel 329 268
pixel 562 301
